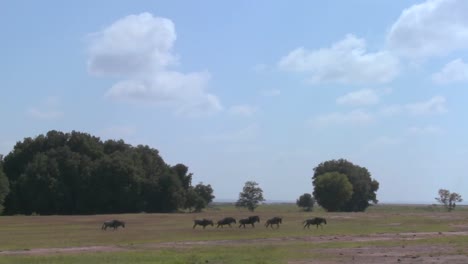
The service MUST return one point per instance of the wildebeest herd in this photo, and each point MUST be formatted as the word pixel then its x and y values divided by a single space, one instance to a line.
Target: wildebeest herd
pixel 251 220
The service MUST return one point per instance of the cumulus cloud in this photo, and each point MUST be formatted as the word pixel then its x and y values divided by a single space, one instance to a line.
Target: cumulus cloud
pixel 346 61
pixel 435 27
pixel 139 48
pixel 242 110
pixel 355 117
pixel 360 97
pixel 454 71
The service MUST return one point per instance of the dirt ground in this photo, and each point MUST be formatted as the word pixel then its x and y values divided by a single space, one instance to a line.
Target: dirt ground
pixel 368 254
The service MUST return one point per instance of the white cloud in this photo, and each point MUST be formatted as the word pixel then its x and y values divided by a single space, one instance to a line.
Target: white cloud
pixel 344 62
pixel 337 118
pixel 454 71
pixel 139 48
pixel 425 130
pixel 435 27
pixel 435 105
pixel 270 93
pixel 242 110
pixel 132 45
pixel 360 97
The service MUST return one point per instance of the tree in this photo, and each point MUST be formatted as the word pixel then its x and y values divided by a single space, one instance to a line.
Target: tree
pixel 4 186
pixel 363 186
pixel 198 197
pixel 448 199
pixel 205 192
pixel 251 196
pixel 333 190
pixel 306 201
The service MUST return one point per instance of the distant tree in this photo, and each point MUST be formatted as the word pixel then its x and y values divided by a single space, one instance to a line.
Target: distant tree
pixel 4 186
pixel 364 188
pixel 332 190
pixel 198 197
pixel 306 201
pixel 193 201
pixel 251 196
pixel 205 192
pixel 448 199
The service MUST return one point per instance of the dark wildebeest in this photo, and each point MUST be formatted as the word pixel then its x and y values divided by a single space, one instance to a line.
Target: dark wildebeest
pixel 226 221
pixel 203 222
pixel 315 221
pixel 274 221
pixel 249 221
pixel 113 223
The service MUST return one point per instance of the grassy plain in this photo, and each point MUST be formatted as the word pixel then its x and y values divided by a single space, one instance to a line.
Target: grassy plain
pixel 383 232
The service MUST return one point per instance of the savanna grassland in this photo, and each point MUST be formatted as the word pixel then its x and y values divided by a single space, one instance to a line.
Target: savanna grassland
pixel 382 234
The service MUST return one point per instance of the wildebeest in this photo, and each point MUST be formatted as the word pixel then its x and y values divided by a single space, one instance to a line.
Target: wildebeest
pixel 226 221
pixel 274 221
pixel 315 221
pixel 204 222
pixel 112 223
pixel 251 220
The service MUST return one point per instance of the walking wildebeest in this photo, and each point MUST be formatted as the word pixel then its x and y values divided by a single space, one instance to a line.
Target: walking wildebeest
pixel 274 221
pixel 113 223
pixel 203 222
pixel 226 221
pixel 315 221
pixel 251 220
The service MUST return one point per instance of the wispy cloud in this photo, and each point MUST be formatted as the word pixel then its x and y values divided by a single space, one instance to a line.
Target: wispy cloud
pixel 346 62
pixel 425 130
pixel 118 132
pixel 454 71
pixel 242 110
pixel 48 109
pixel 359 98
pixel 355 117
pixel 139 48
pixel 435 105
pixel 248 133
pixel 270 93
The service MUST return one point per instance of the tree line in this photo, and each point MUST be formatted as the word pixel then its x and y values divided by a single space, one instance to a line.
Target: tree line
pixel 77 173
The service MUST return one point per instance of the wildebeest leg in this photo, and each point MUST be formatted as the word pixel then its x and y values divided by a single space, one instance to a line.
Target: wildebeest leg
pixel 194 225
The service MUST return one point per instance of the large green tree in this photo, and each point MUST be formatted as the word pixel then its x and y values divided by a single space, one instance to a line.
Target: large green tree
pixel 77 173
pixel 332 190
pixel 364 187
pixel 251 196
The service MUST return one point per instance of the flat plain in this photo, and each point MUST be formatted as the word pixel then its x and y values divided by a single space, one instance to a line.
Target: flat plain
pixel 382 234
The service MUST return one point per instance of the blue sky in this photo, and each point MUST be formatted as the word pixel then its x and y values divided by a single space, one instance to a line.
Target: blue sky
pixel 250 90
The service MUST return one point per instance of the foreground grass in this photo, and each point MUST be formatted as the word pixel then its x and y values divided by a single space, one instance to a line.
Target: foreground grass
pixel 28 232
